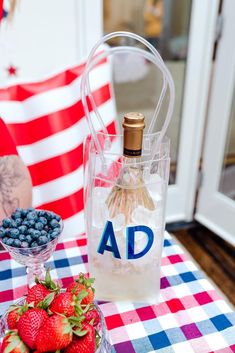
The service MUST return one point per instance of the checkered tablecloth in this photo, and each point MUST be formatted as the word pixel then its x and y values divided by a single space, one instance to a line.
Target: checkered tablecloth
pixel 191 315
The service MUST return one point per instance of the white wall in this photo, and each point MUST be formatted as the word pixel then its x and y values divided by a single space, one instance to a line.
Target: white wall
pixel 47 36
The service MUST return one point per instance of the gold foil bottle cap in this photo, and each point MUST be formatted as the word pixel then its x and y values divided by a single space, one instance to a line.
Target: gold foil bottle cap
pixel 133 125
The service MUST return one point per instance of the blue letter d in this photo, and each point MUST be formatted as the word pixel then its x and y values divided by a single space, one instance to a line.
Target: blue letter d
pixel 130 237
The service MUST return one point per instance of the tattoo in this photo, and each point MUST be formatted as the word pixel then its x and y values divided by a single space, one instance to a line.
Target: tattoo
pixel 10 177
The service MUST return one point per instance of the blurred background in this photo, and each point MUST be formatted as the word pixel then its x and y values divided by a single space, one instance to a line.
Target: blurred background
pixel 195 39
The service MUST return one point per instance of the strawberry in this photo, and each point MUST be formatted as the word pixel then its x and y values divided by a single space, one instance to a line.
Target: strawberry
pixel 41 289
pixel 84 344
pixel 29 325
pixel 13 344
pixel 75 288
pixel 12 319
pixel 14 313
pixel 92 317
pixel 82 283
pixel 55 334
pixel 36 294
pixel 63 303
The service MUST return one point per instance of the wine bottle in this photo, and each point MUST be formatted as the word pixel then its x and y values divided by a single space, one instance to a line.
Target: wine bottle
pixel 130 190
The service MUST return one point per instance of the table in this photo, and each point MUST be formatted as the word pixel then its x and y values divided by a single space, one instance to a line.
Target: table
pixel 191 315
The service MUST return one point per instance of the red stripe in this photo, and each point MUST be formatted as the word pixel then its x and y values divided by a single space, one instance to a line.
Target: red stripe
pixel 6 295
pixel 40 128
pixel 1 9
pixel 67 206
pixel 23 91
pixel 7 145
pixel 71 244
pixel 59 166
pixel 4 255
pixel 56 167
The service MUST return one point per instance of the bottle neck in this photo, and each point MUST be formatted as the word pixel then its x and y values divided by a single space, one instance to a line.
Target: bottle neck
pixel 131 161
pixel 133 126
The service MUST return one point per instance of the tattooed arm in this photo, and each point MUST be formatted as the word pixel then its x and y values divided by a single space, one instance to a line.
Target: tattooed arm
pixel 15 185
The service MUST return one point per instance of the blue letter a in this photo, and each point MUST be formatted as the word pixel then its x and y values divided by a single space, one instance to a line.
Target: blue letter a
pixel 108 234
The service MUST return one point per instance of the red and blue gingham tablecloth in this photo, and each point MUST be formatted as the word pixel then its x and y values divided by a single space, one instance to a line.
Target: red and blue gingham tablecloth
pixel 191 315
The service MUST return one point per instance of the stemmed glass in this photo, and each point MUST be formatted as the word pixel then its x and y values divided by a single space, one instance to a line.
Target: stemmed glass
pixel 33 258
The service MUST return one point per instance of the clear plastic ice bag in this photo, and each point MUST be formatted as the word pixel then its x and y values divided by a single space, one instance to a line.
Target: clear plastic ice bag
pixel 124 252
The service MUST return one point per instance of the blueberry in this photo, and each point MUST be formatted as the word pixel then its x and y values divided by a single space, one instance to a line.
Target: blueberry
pixel 54 224
pixel 43 232
pixel 18 209
pixel 23 213
pixel 31 231
pixel 13 224
pixel 28 238
pixel 41 213
pixel 33 244
pixel 25 223
pixel 21 237
pixel 32 216
pixel 43 220
pixel 7 233
pixel 23 229
pixel 16 215
pixel 35 234
pixel 57 217
pixel 49 215
pixel 24 244
pixel 39 226
pixel 54 234
pixel 30 209
pixel 18 221
pixel 2 232
pixel 10 242
pixel 6 222
pixel 14 233
pixel 42 240
pixel 5 240
pixel 31 223
pixel 16 243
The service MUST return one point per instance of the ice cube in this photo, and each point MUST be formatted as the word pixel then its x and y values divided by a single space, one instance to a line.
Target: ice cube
pixel 144 216
pixel 118 222
pixel 100 214
pixel 100 194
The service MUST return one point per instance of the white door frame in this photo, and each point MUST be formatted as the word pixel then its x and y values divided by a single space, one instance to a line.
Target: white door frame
pixel 181 196
pixel 89 22
pixel 215 210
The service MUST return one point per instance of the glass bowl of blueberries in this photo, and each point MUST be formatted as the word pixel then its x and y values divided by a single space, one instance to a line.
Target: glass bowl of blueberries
pixel 30 236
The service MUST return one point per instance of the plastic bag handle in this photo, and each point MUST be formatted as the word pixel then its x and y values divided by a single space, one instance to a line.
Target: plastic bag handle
pixel 154 57
pixel 96 60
